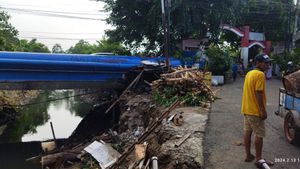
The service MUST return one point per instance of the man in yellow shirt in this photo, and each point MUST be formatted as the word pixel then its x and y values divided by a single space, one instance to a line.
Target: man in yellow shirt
pixel 254 106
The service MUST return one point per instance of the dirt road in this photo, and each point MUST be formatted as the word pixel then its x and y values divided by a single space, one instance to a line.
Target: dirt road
pixel 225 127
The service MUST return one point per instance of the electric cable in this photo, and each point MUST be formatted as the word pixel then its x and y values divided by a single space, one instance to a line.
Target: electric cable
pixel 48 11
pixel 32 37
pixel 55 15
pixel 76 33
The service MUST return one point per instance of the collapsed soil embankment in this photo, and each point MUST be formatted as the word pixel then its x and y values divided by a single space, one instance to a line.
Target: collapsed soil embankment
pixel 9 100
pixel 176 143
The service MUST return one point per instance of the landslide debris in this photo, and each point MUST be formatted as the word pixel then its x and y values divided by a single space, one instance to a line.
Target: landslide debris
pixel 143 118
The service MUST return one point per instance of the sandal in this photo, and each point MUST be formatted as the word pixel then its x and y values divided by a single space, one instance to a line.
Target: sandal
pixel 250 158
pixel 260 164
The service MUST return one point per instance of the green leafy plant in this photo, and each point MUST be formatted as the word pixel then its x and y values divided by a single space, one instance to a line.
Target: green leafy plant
pixel 218 61
pixel 170 94
pixel 166 97
pixel 282 59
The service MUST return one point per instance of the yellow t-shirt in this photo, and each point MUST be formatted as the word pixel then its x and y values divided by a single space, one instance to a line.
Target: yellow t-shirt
pixel 255 81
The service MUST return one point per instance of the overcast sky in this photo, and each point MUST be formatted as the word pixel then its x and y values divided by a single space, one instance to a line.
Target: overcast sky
pixel 57 21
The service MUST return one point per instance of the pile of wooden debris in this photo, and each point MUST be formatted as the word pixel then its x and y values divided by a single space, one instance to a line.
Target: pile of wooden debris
pixel 187 84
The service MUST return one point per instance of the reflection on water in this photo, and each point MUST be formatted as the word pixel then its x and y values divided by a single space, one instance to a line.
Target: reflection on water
pixel 33 122
pixel 63 120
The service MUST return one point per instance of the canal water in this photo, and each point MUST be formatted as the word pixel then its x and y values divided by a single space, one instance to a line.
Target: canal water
pixel 21 138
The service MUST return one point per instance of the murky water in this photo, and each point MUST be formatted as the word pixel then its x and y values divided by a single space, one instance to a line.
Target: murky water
pixel 33 124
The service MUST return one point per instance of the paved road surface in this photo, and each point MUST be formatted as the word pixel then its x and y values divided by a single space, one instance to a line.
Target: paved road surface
pixel 225 127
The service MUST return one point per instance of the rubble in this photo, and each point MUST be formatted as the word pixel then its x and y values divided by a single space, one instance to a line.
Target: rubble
pixel 147 134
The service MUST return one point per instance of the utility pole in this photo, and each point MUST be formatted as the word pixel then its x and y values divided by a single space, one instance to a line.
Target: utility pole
pixel 168 33
pixel 288 42
pixel 166 27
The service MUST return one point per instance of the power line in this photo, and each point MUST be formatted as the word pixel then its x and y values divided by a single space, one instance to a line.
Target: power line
pixel 55 5
pixel 57 12
pixel 58 38
pixel 76 33
pixel 53 14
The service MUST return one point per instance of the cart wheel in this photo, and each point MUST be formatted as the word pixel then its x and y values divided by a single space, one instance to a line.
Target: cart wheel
pixel 290 130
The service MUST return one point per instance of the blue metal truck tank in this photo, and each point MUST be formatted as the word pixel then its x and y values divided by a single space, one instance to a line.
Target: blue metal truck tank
pixel 69 57
pixel 11 64
pixel 21 70
pixel 133 60
pixel 173 61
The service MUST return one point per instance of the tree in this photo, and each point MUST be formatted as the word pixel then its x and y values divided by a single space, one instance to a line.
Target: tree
pixel 104 45
pixel 139 22
pixel 107 45
pixel 57 48
pixel 262 16
pixel 218 60
pixel 82 47
pixel 135 21
pixel 32 46
pixel 8 34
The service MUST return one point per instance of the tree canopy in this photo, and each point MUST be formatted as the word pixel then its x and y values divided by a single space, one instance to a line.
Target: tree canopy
pixel 57 48
pixel 139 22
pixel 10 42
pixel 270 17
pixel 32 46
pixel 104 45
pixel 8 34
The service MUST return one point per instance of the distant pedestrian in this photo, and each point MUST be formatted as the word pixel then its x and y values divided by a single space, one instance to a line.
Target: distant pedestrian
pixel 241 68
pixel 234 70
pixel 269 73
pixel 254 108
pixel 290 68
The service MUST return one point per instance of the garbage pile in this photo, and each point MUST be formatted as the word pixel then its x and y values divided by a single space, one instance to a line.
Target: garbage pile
pixel 186 84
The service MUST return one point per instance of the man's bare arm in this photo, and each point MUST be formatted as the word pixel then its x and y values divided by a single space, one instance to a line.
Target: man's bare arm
pixel 259 97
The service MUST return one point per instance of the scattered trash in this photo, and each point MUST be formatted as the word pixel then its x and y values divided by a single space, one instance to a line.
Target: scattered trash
pixel 214 82
pixel 238 143
pixel 140 151
pixel 154 163
pixel 176 118
pixel 48 146
pixel 139 131
pixel 181 140
pixel 103 153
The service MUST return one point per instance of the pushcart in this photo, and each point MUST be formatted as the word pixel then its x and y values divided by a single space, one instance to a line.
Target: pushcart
pixel 289 109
